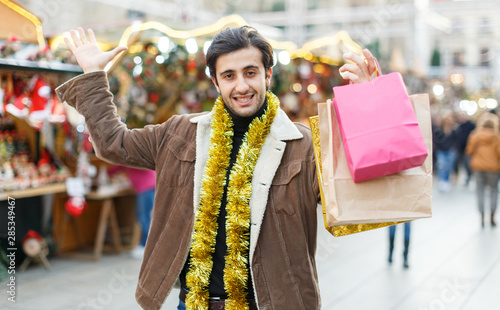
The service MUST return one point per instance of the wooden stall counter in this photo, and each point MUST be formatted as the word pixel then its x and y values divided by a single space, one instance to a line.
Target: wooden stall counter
pixel 109 217
pixel 35 191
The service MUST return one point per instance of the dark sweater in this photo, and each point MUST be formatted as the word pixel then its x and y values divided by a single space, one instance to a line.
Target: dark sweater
pixel 463 132
pixel 216 287
pixel 443 141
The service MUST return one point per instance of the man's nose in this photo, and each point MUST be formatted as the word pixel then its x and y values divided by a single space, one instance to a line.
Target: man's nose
pixel 242 85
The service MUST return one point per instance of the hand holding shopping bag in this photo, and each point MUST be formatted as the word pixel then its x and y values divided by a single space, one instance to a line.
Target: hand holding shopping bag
pixel 350 207
pixel 378 126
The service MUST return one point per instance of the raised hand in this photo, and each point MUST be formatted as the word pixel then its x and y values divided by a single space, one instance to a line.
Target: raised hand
pixel 361 69
pixel 88 54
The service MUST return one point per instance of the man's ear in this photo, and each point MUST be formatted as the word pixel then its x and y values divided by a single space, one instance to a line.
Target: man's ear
pixel 214 80
pixel 268 77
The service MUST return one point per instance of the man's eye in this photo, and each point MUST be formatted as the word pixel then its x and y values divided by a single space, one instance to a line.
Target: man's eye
pixel 228 76
pixel 251 73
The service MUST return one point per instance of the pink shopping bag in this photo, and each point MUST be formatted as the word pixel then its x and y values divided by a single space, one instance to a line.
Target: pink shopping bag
pixel 379 127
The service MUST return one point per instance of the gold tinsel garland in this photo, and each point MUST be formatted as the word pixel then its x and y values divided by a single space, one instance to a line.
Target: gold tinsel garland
pixel 238 211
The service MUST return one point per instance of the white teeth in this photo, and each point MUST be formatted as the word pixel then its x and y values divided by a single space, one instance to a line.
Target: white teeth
pixel 243 99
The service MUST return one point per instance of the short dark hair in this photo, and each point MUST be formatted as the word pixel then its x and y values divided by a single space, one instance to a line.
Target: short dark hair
pixel 233 39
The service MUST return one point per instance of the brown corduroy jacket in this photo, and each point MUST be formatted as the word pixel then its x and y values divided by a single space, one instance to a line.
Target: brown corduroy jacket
pixel 283 204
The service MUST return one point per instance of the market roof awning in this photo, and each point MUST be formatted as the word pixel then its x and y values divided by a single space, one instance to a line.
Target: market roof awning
pixel 19 22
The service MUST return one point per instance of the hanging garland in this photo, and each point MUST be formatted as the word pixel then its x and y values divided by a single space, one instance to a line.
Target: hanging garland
pixel 238 211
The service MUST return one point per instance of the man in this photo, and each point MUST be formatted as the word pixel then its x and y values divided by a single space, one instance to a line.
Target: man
pixel 234 216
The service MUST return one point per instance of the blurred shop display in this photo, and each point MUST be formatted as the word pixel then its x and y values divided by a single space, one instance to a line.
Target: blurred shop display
pixel 33 124
pixel 34 133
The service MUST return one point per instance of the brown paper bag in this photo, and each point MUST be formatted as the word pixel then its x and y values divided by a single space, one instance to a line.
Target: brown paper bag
pixel 342 230
pixel 353 207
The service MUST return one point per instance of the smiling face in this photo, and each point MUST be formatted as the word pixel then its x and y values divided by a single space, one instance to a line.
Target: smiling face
pixel 242 80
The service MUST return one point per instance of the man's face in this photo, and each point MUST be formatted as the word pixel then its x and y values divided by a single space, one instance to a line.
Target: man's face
pixel 242 80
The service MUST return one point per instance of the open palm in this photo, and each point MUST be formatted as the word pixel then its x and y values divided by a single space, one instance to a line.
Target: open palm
pixel 88 54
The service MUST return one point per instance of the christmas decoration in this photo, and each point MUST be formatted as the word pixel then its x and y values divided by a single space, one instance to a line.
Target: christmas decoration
pixel 32 243
pixel 39 97
pixel 35 247
pixel 10 47
pixel 85 170
pixel 75 206
pixel 238 211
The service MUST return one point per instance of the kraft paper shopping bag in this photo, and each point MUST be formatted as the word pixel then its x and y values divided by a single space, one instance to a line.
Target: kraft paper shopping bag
pixel 341 230
pixel 402 196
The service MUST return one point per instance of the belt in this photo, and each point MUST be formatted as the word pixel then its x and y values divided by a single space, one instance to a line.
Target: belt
pixel 217 304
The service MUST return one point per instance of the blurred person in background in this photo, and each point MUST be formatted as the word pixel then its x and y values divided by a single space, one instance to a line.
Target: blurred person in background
pixel 392 234
pixel 465 127
pixel 143 183
pixel 444 138
pixel 483 147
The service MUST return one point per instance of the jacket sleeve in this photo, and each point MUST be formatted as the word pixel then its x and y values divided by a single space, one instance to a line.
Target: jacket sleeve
pixel 112 140
pixel 497 146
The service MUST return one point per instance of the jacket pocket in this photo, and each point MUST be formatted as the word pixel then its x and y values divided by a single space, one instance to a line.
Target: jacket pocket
pixel 286 187
pixel 182 150
pixel 177 167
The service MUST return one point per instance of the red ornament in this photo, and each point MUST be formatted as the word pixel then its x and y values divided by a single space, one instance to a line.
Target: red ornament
pixel 32 234
pixel 191 65
pixel 87 143
pixel 75 206
pixel 154 97
pixel 19 108
pixel 40 95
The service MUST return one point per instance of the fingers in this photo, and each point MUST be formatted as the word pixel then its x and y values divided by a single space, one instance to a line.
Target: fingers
pixel 80 38
pixel 69 44
pixel 75 38
pixel 353 78
pixel 117 50
pixel 349 68
pixel 360 70
pixel 360 62
pixel 372 62
pixel 357 71
pixel 83 37
pixel 91 36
